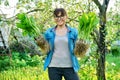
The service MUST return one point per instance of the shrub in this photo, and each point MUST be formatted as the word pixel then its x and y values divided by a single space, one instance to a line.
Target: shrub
pixel 24 46
pixel 115 50
pixel 19 60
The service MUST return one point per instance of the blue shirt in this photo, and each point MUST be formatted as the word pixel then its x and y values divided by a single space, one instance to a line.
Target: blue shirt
pixel 72 37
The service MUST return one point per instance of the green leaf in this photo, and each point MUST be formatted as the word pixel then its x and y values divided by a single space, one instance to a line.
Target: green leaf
pixel 87 22
pixel 21 16
pixel 27 24
pixel 6 3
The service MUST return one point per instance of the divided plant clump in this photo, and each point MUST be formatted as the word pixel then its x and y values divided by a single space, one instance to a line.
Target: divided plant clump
pixel 87 23
pixel 81 47
pixel 43 44
pixel 29 27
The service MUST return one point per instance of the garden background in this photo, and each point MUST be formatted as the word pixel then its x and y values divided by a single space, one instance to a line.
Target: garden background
pixel 22 59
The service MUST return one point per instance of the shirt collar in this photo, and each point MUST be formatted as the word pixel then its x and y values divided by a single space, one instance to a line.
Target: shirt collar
pixel 68 27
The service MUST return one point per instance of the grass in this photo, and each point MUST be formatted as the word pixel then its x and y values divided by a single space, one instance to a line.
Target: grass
pixel 114 62
pixel 113 67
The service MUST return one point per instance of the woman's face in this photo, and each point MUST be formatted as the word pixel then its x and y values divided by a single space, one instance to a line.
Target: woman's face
pixel 60 20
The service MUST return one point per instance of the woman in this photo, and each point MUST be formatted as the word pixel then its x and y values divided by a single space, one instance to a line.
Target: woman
pixel 60 59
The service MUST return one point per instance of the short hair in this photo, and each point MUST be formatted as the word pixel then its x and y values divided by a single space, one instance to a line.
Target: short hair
pixel 58 10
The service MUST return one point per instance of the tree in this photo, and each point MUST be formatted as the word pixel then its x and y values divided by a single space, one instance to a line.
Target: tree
pixel 102 44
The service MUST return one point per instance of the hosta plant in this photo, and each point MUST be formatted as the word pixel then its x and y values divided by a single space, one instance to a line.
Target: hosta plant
pixel 29 27
pixel 87 23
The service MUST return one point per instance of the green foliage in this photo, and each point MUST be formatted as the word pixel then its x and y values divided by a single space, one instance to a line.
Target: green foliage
pixel 17 47
pixel 31 68
pixel 4 63
pixel 43 17
pixel 25 73
pixel 115 50
pixel 24 46
pixel 27 24
pixel 112 67
pixel 19 60
pixel 6 3
pixel 87 22
pixel 34 61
